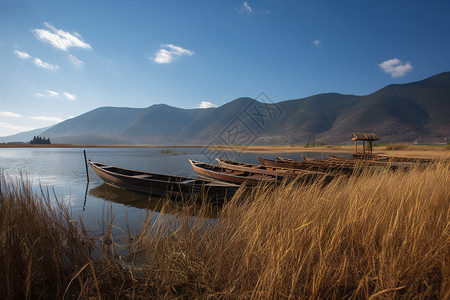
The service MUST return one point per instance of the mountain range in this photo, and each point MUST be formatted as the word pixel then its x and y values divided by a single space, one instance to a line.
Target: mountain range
pixel 413 112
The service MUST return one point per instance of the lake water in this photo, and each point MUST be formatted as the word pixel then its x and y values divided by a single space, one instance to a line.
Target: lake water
pixel 63 170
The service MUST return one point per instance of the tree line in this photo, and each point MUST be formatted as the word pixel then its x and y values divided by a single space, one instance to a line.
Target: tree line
pixel 40 140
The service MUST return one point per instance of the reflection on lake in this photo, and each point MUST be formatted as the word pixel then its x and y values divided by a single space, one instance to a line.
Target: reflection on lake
pixel 63 169
pixel 149 202
pixel 126 197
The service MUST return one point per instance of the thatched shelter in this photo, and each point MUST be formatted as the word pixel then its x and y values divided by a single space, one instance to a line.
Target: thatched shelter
pixel 365 137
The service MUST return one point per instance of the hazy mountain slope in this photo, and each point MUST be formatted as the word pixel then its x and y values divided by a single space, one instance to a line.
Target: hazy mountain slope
pixel 25 136
pixel 211 125
pixel 304 118
pixel 401 112
pixel 161 120
pixel 92 139
pixel 101 121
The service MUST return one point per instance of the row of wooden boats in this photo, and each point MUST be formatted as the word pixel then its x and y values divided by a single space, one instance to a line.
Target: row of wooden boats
pixel 162 184
pixel 223 180
pixel 214 181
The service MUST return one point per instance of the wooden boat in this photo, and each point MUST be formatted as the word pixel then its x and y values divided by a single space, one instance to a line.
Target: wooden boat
pixel 209 171
pixel 161 184
pixel 304 165
pixel 303 175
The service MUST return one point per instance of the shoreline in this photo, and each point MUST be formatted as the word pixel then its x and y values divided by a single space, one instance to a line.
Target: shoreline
pixel 413 151
pixel 94 146
pixel 424 151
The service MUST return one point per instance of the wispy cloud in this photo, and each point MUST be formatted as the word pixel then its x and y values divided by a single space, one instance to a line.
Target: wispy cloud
pixel 42 64
pixel 60 39
pixel 77 62
pixel 317 42
pixel 14 127
pixel 22 55
pixel 47 94
pixel 206 104
pixel 10 114
pixel 395 68
pixel 245 8
pixel 53 94
pixel 47 119
pixel 37 61
pixel 69 96
pixel 169 52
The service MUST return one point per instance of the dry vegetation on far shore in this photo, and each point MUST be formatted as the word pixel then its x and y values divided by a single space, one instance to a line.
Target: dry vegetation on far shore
pixel 396 149
pixel 383 235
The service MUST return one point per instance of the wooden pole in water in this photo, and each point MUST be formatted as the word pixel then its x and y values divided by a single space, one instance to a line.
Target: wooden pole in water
pixel 87 169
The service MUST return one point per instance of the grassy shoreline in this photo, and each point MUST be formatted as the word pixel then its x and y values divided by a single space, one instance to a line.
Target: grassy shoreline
pixel 425 151
pixel 383 235
pixel 93 146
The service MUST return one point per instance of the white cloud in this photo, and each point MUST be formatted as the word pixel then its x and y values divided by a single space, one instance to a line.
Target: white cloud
pixel 53 94
pixel 169 52
pixel 14 127
pixel 317 42
pixel 48 94
pixel 163 56
pixel 38 62
pixel 48 119
pixel 10 114
pixel 22 55
pixel 77 62
pixel 60 39
pixel 178 50
pixel 395 68
pixel 206 104
pixel 245 8
pixel 69 96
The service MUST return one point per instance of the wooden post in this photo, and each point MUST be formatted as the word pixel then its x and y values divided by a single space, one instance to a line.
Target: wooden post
pixel 87 169
pixel 364 147
pixel 370 146
pixel 356 146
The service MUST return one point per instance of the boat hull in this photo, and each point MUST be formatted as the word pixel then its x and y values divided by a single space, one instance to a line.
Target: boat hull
pixel 161 184
pixel 334 169
pixel 299 174
pixel 228 175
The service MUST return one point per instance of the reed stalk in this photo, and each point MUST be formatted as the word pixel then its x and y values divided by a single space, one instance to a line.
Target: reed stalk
pixel 382 235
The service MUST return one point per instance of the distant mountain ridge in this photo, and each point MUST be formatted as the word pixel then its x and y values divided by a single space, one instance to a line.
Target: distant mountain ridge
pixel 413 112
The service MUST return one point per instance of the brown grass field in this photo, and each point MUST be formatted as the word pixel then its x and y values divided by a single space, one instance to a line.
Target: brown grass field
pixel 383 235
pixel 399 149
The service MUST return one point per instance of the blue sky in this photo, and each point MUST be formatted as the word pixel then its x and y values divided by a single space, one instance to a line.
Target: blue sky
pixel 59 59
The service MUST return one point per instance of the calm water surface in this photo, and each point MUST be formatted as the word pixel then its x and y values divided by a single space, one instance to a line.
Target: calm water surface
pixel 63 170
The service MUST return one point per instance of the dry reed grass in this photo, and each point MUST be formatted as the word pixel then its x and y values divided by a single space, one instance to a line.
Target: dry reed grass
pixel 40 245
pixel 397 146
pixel 379 236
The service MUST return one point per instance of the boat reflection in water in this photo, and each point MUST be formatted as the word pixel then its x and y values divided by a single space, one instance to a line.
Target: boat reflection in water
pixel 154 203
pixel 127 197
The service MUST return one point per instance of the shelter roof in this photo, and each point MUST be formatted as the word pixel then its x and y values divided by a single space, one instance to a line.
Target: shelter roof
pixel 358 136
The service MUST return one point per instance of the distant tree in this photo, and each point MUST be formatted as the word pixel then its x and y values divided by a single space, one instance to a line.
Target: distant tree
pixel 37 140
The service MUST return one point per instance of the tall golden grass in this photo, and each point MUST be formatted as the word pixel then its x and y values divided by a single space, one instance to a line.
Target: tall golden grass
pixel 397 146
pixel 379 236
pixel 40 245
